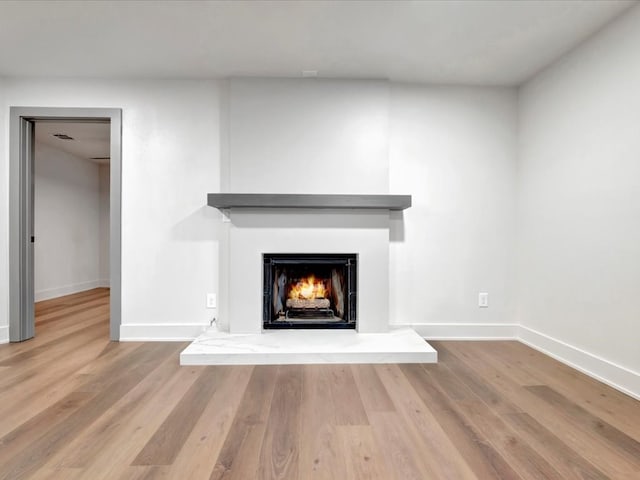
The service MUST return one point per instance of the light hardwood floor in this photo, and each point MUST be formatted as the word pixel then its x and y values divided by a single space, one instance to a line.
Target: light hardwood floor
pixel 75 406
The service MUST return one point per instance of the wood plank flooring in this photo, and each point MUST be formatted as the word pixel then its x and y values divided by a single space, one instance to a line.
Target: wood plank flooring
pixel 75 406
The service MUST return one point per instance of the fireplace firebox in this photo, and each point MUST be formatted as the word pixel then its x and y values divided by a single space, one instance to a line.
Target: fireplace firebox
pixel 310 290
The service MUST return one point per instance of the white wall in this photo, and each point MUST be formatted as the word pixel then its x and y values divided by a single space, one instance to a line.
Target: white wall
pixel 579 206
pixel 66 223
pixel 453 149
pixel 308 136
pixel 104 209
pixel 170 161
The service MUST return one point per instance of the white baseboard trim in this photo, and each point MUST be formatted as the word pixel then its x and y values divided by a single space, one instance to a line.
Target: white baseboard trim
pixel 464 331
pixel 4 334
pixel 161 332
pixel 616 376
pixel 104 283
pixel 56 292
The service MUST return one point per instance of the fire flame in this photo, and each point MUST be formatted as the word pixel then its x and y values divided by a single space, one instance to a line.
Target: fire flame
pixel 308 288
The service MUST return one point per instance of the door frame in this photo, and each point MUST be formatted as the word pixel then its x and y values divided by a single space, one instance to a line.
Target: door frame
pixel 21 272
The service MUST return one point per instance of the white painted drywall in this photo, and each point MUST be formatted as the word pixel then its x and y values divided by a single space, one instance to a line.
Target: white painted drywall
pixel 308 136
pixel 453 149
pixel 579 202
pixel 103 254
pixel 170 160
pixel 66 223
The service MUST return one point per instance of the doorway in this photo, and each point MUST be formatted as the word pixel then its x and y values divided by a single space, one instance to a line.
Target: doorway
pixel 23 122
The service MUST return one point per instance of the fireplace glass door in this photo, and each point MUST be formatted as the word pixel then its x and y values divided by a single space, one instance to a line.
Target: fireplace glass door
pixel 307 290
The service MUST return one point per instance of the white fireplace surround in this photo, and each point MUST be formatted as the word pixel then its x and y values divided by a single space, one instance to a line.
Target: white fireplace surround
pixel 253 233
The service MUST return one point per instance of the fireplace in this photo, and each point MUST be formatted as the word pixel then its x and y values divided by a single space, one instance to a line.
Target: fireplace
pixel 309 290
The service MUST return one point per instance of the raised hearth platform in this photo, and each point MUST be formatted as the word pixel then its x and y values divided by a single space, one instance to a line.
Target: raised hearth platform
pixel 281 347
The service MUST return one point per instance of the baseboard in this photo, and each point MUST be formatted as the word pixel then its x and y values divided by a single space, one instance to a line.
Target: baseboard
pixel 616 376
pixel 104 283
pixel 56 292
pixel 464 331
pixel 4 334
pixel 161 332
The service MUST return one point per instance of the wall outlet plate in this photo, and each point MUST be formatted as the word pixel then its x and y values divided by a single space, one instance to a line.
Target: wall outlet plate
pixel 211 300
pixel 483 299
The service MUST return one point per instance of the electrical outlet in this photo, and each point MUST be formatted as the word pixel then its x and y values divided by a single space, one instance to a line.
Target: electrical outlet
pixel 483 299
pixel 211 300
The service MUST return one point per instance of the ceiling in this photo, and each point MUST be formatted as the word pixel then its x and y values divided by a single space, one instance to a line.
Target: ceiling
pixel 90 139
pixel 456 42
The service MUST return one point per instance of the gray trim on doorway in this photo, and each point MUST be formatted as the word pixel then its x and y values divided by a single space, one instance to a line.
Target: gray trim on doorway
pixel 21 212
pixel 21 230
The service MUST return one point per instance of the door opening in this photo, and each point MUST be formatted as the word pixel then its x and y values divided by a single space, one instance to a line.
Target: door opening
pixel 71 210
pixel 28 124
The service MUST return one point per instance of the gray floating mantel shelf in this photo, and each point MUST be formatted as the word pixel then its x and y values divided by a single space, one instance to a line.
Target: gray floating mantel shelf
pixel 292 200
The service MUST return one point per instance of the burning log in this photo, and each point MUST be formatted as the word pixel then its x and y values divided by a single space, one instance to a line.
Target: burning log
pixel 308 303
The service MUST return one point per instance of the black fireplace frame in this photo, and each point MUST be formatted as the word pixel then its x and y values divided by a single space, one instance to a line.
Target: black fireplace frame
pixel 347 260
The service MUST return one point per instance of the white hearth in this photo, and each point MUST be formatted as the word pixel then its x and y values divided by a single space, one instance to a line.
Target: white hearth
pixel 281 347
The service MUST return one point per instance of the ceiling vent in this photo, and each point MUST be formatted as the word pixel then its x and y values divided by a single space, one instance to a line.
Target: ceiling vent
pixel 62 136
